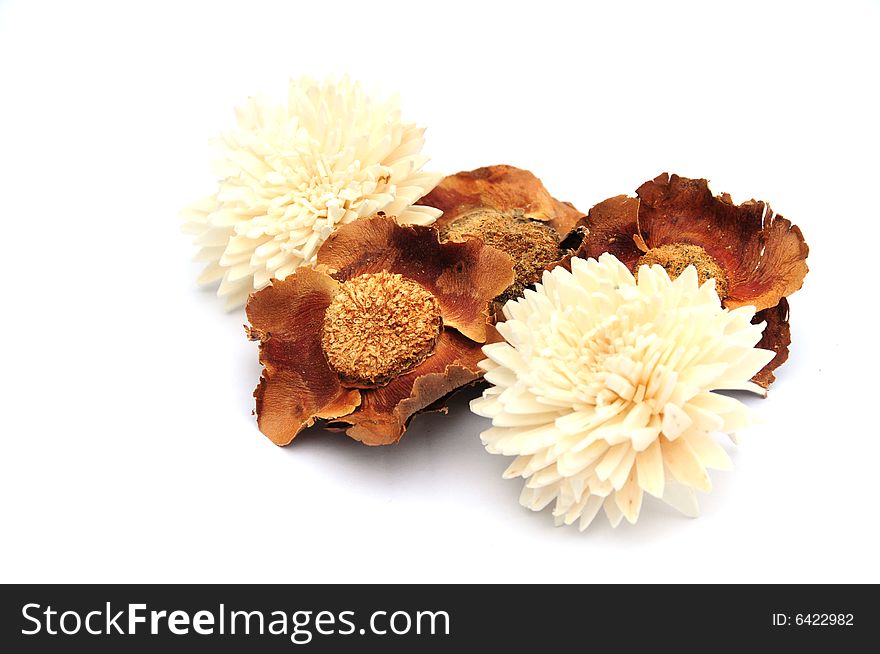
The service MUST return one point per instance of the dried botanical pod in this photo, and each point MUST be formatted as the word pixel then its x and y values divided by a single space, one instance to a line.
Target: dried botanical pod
pixel 756 257
pixel 389 323
pixel 509 209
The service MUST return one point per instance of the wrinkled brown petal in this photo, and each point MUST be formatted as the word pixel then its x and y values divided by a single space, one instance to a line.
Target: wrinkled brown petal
pixel 503 188
pixel 297 385
pixel 385 412
pixel 777 337
pixel 763 254
pixel 463 277
pixel 613 227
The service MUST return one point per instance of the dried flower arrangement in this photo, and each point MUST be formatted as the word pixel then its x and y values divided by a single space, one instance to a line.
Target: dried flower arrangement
pixel 376 291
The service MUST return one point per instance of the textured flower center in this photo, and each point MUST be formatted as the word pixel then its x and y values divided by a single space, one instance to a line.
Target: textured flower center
pixel 532 245
pixel 675 257
pixel 302 206
pixel 378 326
pixel 601 361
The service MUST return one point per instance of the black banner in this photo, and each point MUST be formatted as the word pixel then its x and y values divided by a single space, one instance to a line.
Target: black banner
pixel 281 618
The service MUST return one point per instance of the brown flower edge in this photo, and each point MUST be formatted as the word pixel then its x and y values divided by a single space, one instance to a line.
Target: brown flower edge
pixel 299 319
pixel 758 258
pixel 509 209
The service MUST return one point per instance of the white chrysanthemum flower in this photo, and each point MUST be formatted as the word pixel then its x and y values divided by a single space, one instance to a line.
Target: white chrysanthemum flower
pixel 604 387
pixel 291 173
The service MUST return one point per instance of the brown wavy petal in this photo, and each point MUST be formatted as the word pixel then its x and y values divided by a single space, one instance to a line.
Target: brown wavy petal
pixel 764 255
pixel 613 227
pixel 764 279
pixel 463 276
pixel 385 412
pixel 777 337
pixel 503 188
pixel 297 386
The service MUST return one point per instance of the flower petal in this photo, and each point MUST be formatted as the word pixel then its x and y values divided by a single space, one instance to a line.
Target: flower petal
pixel 614 228
pixel 682 498
pixel 649 467
pixel 709 452
pixel 297 385
pixel 684 464
pixel 629 498
pixel 588 513
pixel 612 512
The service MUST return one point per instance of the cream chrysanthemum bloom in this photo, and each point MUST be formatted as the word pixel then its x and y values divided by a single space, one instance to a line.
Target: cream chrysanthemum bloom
pixel 604 387
pixel 292 172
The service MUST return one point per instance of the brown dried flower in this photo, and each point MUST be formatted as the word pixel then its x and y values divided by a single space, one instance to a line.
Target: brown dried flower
pixel 757 258
pixel 509 209
pixel 389 323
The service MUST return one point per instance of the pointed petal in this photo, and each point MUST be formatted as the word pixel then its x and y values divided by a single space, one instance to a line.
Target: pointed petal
pixel 684 464
pixel 629 498
pixel 649 467
pixel 681 498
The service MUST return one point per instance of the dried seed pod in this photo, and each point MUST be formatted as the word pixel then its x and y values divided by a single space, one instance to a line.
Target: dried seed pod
pixel 391 322
pixel 757 258
pixel 509 209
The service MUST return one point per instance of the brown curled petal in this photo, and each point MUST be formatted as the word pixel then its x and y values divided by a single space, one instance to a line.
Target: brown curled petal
pixel 287 404
pixel 613 227
pixel 764 256
pixel 777 337
pixel 297 385
pixel 503 188
pixel 764 278
pixel 278 309
pixel 385 412
pixel 463 277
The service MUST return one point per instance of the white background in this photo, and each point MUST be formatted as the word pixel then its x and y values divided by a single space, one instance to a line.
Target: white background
pixel 129 452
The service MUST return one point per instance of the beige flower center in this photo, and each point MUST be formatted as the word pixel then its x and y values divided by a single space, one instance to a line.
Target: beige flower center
pixel 532 245
pixel 675 257
pixel 378 326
